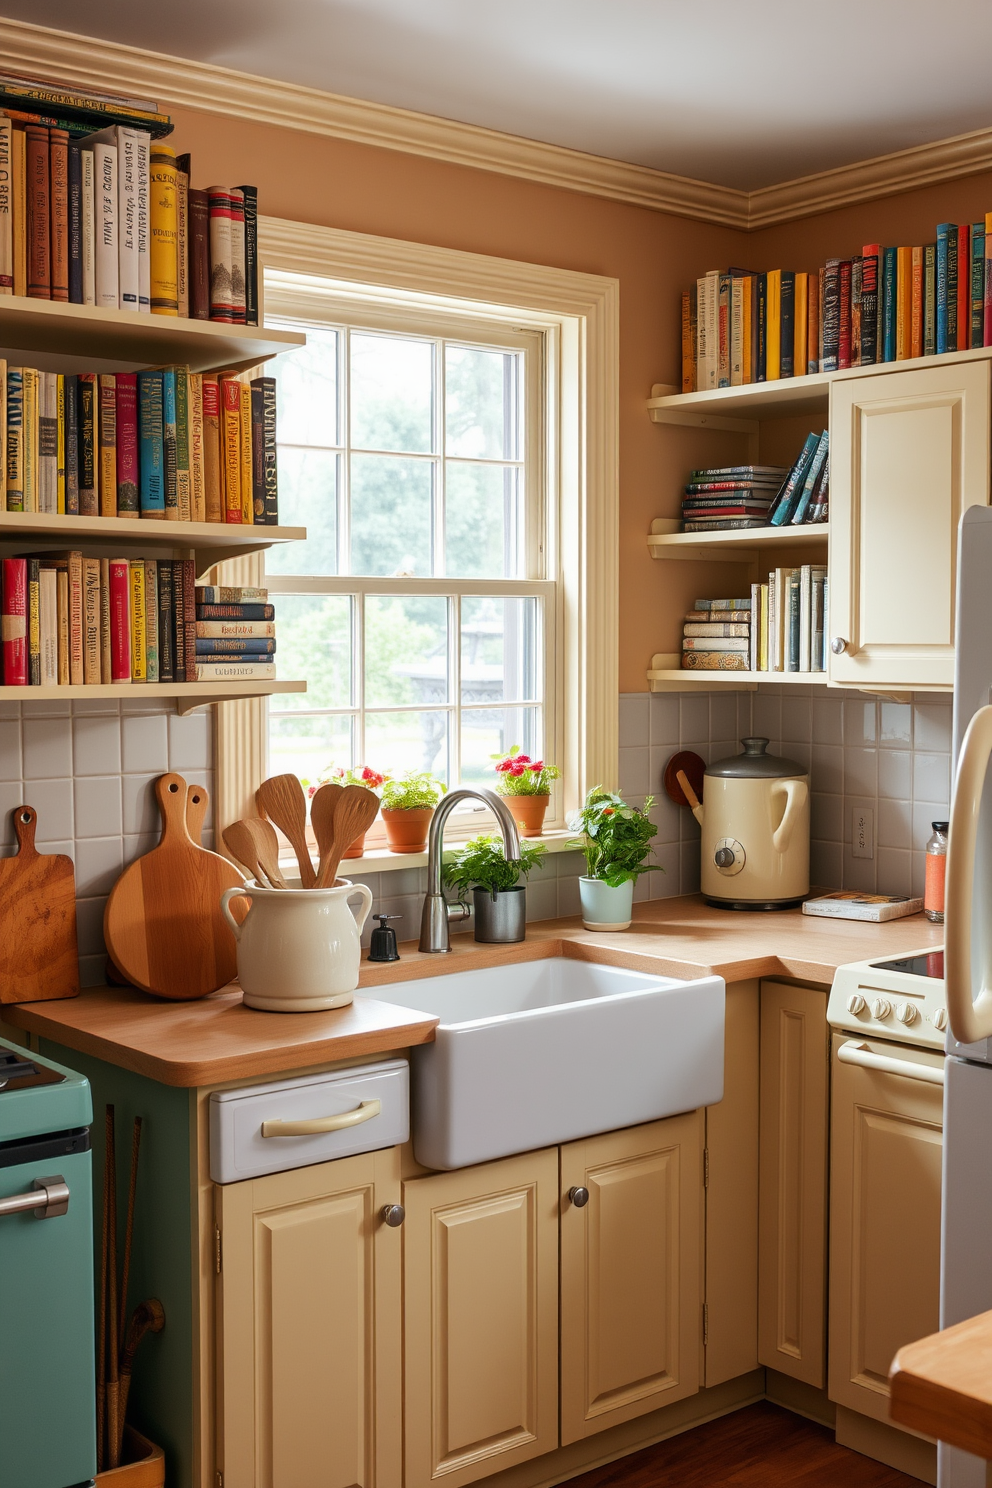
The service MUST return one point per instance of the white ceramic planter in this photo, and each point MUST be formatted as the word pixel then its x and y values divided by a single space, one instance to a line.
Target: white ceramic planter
pixel 299 950
pixel 603 907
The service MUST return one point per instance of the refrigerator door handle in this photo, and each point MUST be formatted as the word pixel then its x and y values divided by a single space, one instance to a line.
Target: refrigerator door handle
pixel 970 1016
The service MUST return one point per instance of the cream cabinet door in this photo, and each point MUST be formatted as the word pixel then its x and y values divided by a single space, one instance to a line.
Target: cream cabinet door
pixel 631 1300
pixel 885 1166
pixel 909 453
pixel 481 1318
pixel 309 1373
pixel 792 1205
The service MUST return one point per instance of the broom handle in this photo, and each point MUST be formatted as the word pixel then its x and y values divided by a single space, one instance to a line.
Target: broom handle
pixel 128 1232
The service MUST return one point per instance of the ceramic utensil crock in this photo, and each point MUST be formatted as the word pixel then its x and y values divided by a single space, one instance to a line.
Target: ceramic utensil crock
pixel 299 949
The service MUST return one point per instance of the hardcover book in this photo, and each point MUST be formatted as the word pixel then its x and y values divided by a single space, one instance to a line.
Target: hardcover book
pixel 58 147
pixel 164 231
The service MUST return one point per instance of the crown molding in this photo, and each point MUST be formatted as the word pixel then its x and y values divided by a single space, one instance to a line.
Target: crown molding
pixel 179 82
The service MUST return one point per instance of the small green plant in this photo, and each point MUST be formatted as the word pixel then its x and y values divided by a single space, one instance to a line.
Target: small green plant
pixel 480 864
pixel 518 775
pixel 616 838
pixel 414 791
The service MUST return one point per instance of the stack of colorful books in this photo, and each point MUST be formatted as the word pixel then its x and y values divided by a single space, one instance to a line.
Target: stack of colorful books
pixel 804 496
pixel 730 496
pixel 102 213
pixel 884 305
pixel 170 444
pixel 235 635
pixel 716 636
pixel 789 620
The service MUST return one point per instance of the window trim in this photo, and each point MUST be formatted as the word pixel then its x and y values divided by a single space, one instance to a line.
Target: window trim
pixel 581 311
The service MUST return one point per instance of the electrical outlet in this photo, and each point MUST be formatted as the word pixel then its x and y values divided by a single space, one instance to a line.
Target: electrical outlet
pixel 863 832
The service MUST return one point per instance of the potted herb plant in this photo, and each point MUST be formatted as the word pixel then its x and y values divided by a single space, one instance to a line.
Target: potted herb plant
pixel 616 840
pixel 408 803
pixel 500 899
pixel 526 784
pixel 360 775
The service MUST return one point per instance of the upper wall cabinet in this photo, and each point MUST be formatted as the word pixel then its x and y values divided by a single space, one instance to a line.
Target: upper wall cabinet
pixel 910 452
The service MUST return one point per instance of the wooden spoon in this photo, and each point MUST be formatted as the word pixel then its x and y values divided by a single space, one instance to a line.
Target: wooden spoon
pixel 323 805
pixel 197 802
pixel 255 844
pixel 281 799
pixel 354 813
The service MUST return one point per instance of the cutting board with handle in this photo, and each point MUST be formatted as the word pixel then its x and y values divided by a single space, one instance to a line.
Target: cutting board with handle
pixel 38 955
pixel 162 925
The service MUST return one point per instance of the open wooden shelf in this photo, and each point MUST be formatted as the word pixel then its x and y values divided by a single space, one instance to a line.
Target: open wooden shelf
pixel 49 327
pixel 188 695
pixel 666 675
pixel 206 542
pixel 667 541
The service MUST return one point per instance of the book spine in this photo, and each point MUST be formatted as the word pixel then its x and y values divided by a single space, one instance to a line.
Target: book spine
pixel 106 649
pixel 787 324
pixel 831 316
pixel 39 229
pixel 120 619
pixel 270 470
pixel 60 443
pixel 257 396
pixel 87 217
pixel 857 285
pixel 916 315
pixel 198 212
pixel 62 616
pixel 952 287
pixel 71 404
pixel 31 380
pixel 246 480
pixel 151 620
pixel 6 207
pixel 49 626
pixel 762 329
pixel 929 299
pixel 987 283
pixel 14 622
pixel 688 349
pixel 48 443
pixel 904 302
pixel 127 219
pixel 74 576
pixel 14 461
pixel 164 231
pixel 844 314
pixel 222 305
pixel 869 306
pixel 943 264
pixel 189 617
pixel 106 253
pixel 238 255
pixel 108 444
pixel 736 332
pixel 136 587
pixel 152 453
pixel 250 594
pixel 805 616
pixel 143 237
pixel 773 353
pixel 128 470
pixel 184 500
pixel 692 661
pixel 75 189
pixel 92 668
pixel 242 610
pixel 58 147
pixel 978 283
pixel 197 498
pixel 247 646
pixel 178 624
pixel 889 308
pixel 723 331
pixel 964 286
pixel 3 435
pixel 812 323
pixel 169 451
pixel 230 392
pixel 250 195
pixel 182 243
pixel 213 461
pixel 166 624
pixel 19 209
pixel 34 622
pixel 89 458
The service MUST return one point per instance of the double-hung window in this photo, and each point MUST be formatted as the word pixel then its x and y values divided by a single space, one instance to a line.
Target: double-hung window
pixel 418 448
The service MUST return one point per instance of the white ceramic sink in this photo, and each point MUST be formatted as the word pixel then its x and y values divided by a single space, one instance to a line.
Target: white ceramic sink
pixel 540 1052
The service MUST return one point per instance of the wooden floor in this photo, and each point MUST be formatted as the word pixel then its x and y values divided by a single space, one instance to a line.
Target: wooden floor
pixel 761 1446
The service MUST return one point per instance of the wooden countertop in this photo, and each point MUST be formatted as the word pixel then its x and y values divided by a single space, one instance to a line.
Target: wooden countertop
pixel 218 1039
pixel 942 1385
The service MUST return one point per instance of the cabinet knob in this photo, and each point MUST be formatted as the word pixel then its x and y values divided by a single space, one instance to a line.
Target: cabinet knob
pixel 393 1215
pixel 838 645
pixel 579 1197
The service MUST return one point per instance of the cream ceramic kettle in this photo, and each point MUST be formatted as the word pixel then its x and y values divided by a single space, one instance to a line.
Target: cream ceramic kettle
pixel 755 830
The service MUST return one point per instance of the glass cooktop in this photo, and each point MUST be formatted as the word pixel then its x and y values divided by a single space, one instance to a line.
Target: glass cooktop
pixel 926 964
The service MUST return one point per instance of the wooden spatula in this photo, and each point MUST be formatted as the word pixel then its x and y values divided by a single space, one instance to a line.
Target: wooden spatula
pixel 323 804
pixel 255 844
pixel 281 799
pixel 354 813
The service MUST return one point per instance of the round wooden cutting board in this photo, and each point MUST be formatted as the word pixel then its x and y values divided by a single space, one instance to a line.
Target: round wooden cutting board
pixel 162 925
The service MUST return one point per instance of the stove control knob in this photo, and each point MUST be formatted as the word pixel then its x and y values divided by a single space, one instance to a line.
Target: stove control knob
pixel 906 1013
pixel 855 1003
pixel 939 1019
pixel 881 1008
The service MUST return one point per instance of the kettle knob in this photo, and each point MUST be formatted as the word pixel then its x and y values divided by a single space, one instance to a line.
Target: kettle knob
pixel 724 857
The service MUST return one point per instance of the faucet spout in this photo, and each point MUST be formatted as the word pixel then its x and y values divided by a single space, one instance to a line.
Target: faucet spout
pixel 435 937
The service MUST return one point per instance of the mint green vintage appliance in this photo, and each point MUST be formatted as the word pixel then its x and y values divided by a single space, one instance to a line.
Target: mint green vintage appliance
pixel 47 1412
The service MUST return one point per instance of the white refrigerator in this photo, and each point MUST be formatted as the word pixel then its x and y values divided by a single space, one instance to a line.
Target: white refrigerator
pixel 966 1235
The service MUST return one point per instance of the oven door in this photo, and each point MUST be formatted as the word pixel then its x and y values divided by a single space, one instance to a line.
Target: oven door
pixel 885 1170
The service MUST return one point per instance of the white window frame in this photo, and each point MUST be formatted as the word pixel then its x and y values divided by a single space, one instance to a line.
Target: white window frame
pixel 578 316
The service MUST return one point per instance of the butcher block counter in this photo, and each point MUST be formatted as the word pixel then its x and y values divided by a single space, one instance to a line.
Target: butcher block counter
pixel 198 1044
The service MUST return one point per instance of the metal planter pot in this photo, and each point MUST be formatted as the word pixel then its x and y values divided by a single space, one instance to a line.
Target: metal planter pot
pixel 501 920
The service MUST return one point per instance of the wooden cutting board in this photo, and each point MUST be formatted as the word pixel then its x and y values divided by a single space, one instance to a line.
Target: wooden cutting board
pixel 162 925
pixel 38 956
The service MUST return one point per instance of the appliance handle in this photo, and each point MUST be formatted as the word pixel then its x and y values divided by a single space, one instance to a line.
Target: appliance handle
pixel 795 792
pixel 320 1124
pixel 48 1197
pixel 860 1054
pixel 970 1017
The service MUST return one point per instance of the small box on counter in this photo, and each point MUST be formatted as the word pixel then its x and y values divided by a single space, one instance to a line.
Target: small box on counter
pixel 850 905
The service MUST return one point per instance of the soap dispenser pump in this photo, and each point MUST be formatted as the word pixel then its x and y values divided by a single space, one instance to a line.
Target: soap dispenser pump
pixel 383 943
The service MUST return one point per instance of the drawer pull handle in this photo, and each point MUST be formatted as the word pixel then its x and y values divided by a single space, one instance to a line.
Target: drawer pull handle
pixel 860 1054
pixel 48 1197
pixel 320 1124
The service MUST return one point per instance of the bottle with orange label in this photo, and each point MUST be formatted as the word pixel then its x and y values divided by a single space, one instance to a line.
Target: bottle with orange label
pixel 933 891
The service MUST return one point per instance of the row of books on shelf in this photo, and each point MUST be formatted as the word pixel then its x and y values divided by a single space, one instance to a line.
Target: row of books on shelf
pixel 729 497
pixel 169 444
pixel 885 305
pixel 72 620
pixel 780 627
pixel 111 220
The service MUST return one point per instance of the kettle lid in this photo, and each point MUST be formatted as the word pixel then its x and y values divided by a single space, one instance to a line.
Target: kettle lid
pixel 755 764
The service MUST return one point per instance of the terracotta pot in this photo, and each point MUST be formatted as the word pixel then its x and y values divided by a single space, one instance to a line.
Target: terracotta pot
pixel 528 813
pixel 406 831
pixel 357 848
pixel 144 1466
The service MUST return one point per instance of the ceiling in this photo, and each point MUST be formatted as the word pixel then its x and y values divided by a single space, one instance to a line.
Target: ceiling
pixel 741 95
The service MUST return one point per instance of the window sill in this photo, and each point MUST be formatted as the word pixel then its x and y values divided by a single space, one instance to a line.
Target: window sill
pixel 381 860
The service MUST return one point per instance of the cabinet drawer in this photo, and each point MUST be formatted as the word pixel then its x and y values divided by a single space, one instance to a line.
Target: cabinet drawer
pixel 245 1141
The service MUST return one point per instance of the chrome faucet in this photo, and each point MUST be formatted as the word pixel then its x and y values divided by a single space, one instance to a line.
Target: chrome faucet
pixel 438 913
